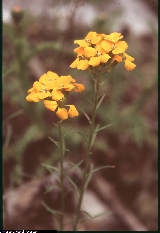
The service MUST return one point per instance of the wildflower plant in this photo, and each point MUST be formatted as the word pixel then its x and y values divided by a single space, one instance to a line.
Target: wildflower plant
pixel 99 53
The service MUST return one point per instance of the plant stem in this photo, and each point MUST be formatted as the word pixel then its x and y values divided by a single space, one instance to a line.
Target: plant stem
pixel 61 148
pixel 86 160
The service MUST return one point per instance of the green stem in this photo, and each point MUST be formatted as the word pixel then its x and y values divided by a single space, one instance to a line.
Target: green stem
pixel 61 172
pixel 86 160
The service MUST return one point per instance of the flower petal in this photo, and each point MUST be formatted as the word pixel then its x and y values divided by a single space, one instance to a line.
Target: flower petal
pixel 78 87
pixel 120 47
pixel 117 58
pixel 38 86
pixel 43 95
pixel 114 37
pixel 91 35
pixel 74 63
pixel 79 51
pixel 57 95
pixel 104 58
pixel 82 43
pixel 107 45
pixel 51 105
pixel 33 97
pixel 96 40
pixel 94 61
pixel 129 65
pixel 62 113
pixel 89 52
pixel 128 57
pixel 83 64
pixel 72 112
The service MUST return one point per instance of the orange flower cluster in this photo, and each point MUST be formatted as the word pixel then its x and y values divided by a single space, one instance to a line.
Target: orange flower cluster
pixel 98 49
pixel 54 90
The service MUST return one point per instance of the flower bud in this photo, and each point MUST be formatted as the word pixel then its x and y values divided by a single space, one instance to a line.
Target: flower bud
pixel 17 14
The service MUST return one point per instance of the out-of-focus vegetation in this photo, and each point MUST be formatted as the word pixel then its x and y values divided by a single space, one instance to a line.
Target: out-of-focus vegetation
pixel 34 45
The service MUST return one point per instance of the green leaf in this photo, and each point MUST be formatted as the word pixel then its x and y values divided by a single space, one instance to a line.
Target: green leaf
pixel 54 212
pixel 85 212
pixel 88 100
pixel 52 187
pixel 94 135
pixel 104 127
pixel 100 101
pixel 89 176
pixel 85 115
pixel 72 182
pixel 15 114
pixel 55 142
pixel 50 166
pixel 56 177
pixel 74 185
pixel 107 166
pixel 96 216
pixel 75 166
pixel 83 137
pixel 68 131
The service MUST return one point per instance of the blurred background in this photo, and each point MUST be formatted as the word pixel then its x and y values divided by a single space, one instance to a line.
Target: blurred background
pixel 37 37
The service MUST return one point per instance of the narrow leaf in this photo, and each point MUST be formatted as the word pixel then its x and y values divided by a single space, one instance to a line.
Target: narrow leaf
pixel 94 135
pixel 85 212
pixel 85 115
pixel 50 189
pixel 104 127
pixel 72 182
pixel 89 176
pixel 54 212
pixel 101 99
pixel 99 168
pixel 93 217
pixel 15 114
pixel 55 142
pixel 88 100
pixel 68 131
pixel 83 137
pixel 56 177
pixel 75 166
pixel 50 166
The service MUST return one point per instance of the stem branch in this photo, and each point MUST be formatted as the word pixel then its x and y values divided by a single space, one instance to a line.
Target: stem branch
pixel 86 160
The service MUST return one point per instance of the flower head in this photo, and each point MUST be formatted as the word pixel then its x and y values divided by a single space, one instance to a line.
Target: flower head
pixel 96 49
pixel 54 90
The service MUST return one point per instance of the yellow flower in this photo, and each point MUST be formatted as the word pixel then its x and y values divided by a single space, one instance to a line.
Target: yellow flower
pixel 48 78
pixel 89 52
pixel 114 37
pixel 78 87
pixel 128 64
pixel 50 104
pixel 53 106
pixel 95 61
pixel 79 51
pixel 75 63
pixel 62 113
pixel 107 46
pixel 91 38
pixel 72 112
pixel 83 64
pixel 54 90
pixel 37 92
pixel 64 83
pixel 117 58
pixel 100 48
pixel 119 47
